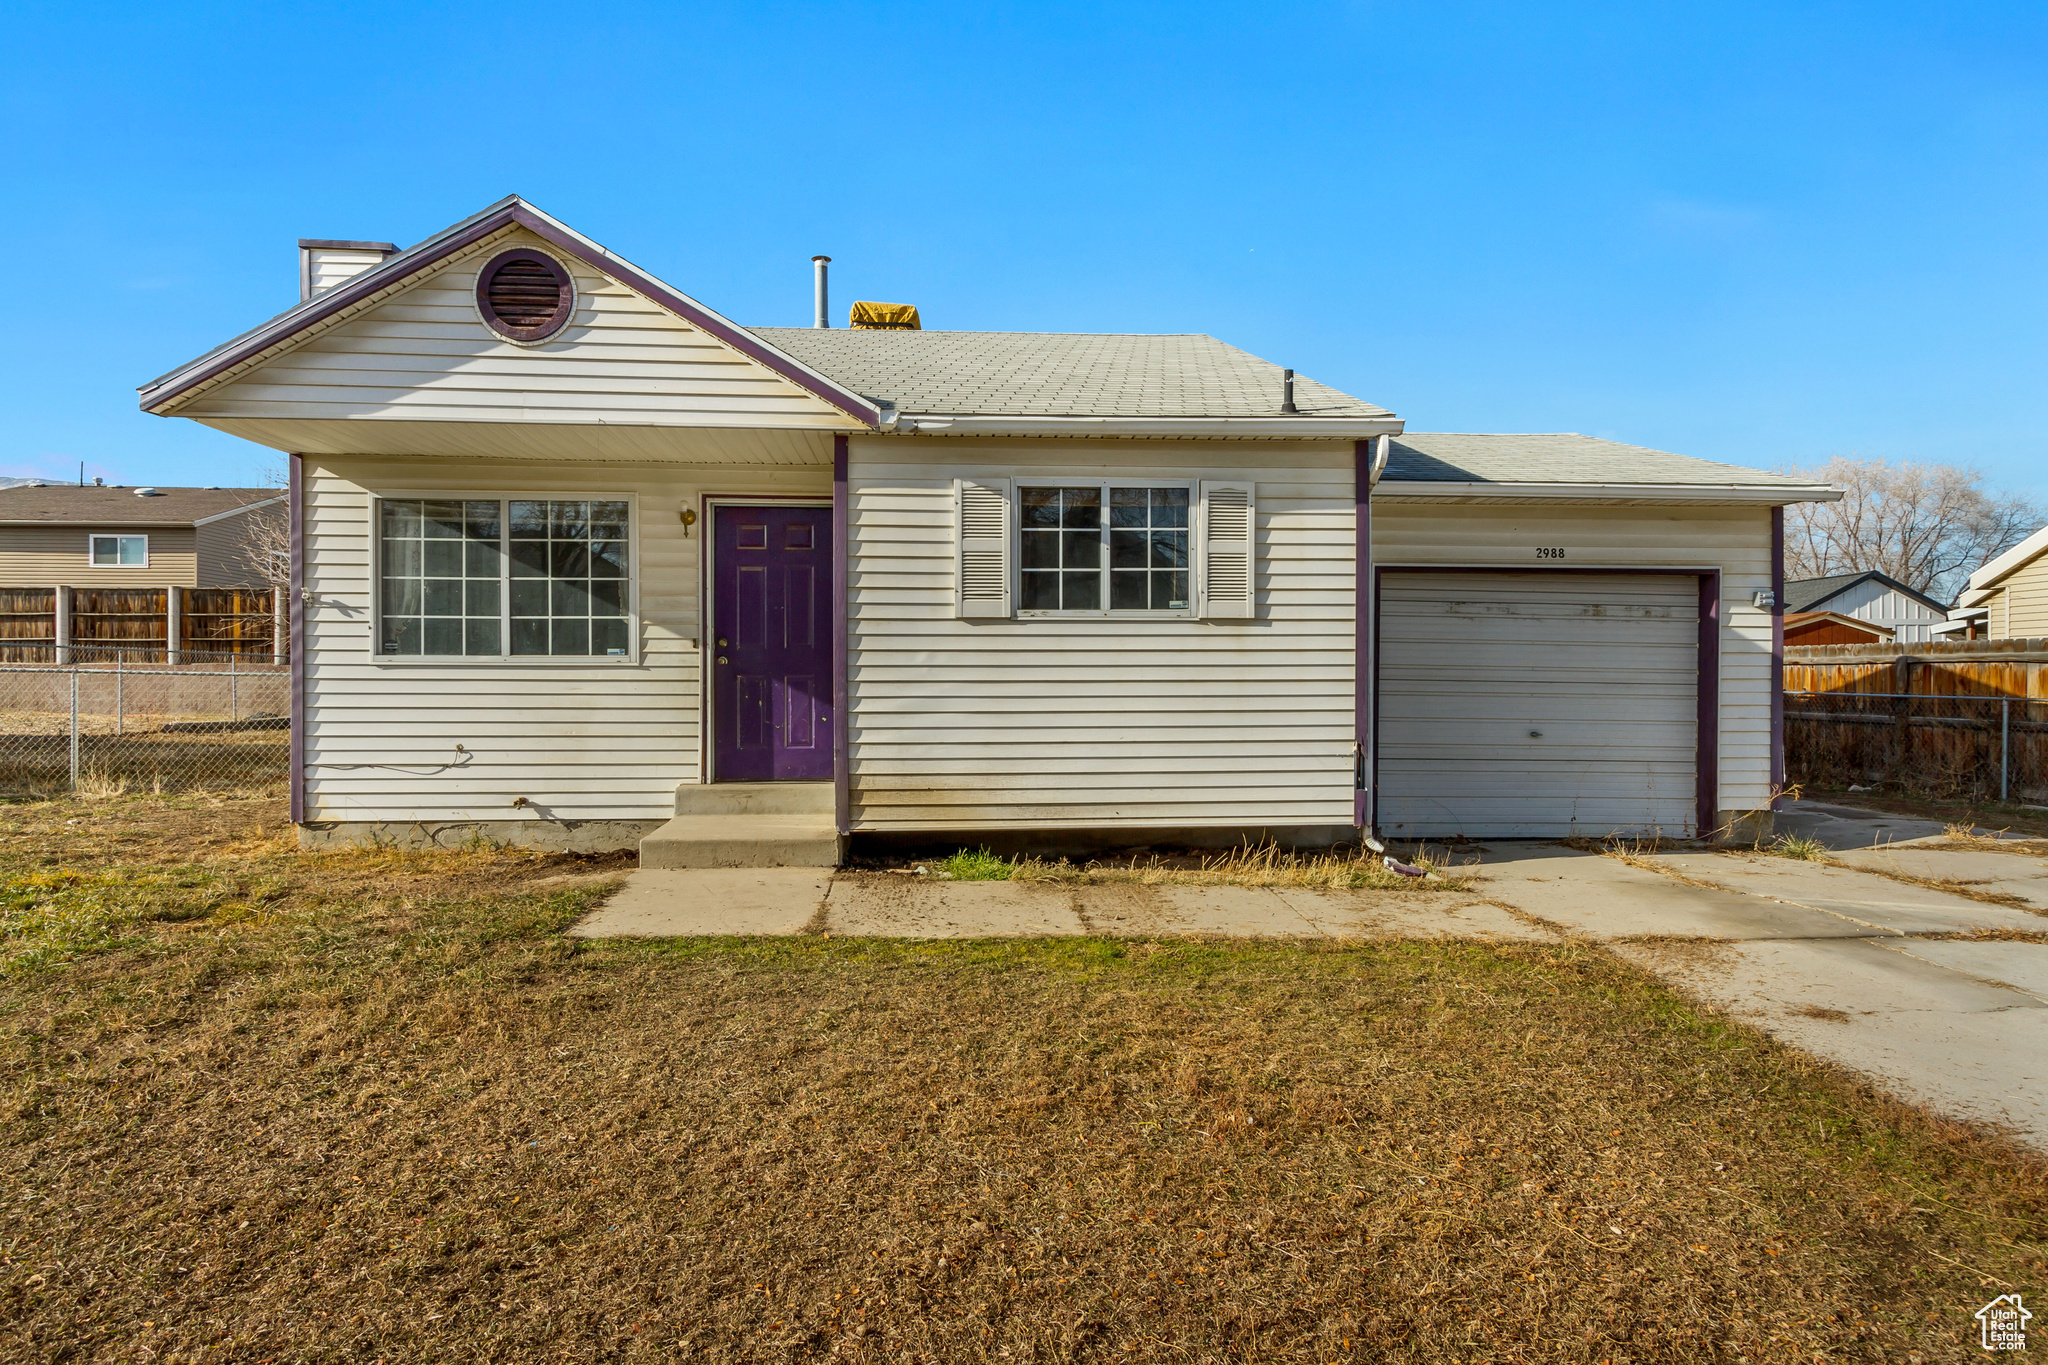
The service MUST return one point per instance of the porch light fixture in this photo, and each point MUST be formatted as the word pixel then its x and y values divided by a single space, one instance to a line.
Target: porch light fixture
pixel 525 296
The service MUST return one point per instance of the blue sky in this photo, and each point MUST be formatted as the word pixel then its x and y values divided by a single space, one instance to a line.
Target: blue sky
pixel 1755 233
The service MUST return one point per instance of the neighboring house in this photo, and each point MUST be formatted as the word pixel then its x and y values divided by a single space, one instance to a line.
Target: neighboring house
pixel 1832 628
pixel 65 535
pixel 1868 595
pixel 2010 594
pixel 580 554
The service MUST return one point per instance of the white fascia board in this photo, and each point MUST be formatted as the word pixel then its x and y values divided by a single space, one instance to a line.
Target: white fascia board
pixel 2010 560
pixel 237 511
pixel 1307 428
pixel 1777 496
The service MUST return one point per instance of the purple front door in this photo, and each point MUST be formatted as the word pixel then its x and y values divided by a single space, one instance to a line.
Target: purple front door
pixel 771 623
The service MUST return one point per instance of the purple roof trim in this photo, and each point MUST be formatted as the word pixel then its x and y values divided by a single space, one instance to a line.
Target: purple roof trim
pixel 327 244
pixel 507 212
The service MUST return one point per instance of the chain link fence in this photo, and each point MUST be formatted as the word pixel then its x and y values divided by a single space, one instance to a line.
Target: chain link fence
pixel 1963 748
pixel 107 721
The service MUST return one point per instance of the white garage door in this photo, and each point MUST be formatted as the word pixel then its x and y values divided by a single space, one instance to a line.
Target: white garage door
pixel 1537 705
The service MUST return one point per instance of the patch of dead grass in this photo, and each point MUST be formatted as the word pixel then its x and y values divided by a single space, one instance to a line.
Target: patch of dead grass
pixel 404 1118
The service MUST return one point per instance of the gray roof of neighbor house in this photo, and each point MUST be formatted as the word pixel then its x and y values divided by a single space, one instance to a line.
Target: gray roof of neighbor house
pixel 1557 457
pixel 1806 594
pixel 1056 374
pixel 62 504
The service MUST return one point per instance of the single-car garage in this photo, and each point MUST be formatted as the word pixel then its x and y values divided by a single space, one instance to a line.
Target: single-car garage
pixel 1543 704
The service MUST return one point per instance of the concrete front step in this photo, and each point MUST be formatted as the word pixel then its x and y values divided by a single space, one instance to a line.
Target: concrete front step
pixel 755 798
pixel 747 824
pixel 743 841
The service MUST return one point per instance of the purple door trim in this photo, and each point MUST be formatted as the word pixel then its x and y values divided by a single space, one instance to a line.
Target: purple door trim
pixel 715 718
pixel 295 614
pixel 1777 655
pixel 1365 675
pixel 1707 765
pixel 842 550
pixel 1707 738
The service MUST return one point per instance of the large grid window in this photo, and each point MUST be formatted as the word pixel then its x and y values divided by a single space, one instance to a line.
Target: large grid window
pixel 1073 558
pixel 498 578
pixel 568 577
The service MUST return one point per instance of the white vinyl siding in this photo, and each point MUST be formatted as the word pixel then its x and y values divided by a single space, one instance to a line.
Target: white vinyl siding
pixel 1736 540
pixel 424 354
pixel 328 266
pixel 580 740
pixel 1888 607
pixel 1104 722
pixel 1538 705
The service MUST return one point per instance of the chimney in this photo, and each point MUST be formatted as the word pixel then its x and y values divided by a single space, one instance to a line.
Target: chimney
pixel 1287 393
pixel 819 263
pixel 323 263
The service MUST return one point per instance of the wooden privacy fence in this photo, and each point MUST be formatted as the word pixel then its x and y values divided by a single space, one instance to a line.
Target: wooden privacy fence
pixel 1960 718
pixel 140 625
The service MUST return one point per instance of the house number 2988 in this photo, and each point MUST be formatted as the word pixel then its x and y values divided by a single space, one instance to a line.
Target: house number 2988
pixel 1542 553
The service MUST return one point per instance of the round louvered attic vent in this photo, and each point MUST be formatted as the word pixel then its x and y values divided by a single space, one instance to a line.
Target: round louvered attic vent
pixel 524 295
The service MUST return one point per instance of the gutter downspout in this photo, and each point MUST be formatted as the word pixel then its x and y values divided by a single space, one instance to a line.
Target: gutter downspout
pixel 1368 464
pixel 1777 656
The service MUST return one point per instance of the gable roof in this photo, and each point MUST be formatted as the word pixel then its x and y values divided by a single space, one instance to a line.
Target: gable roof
pixel 1796 619
pixel 1059 374
pixel 1807 594
pixel 2004 566
pixel 68 504
pixel 1555 464
pixel 163 393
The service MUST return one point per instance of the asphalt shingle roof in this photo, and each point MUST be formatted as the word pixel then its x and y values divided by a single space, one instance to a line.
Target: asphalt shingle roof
pixel 1056 374
pixel 69 504
pixel 1558 457
pixel 1807 594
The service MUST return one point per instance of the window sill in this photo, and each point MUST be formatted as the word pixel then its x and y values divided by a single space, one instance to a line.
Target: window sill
pixel 1127 615
pixel 520 660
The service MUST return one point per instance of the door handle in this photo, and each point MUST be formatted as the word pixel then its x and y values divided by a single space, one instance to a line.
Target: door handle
pixel 721 658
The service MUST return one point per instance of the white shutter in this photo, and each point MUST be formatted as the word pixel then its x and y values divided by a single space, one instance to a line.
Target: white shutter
pixel 1228 521
pixel 984 547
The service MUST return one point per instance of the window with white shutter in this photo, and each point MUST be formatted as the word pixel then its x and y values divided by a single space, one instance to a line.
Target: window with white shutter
pixel 984 547
pixel 1228 519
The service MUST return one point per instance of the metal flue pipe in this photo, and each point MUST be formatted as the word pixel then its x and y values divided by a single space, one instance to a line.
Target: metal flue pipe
pixel 1287 392
pixel 823 305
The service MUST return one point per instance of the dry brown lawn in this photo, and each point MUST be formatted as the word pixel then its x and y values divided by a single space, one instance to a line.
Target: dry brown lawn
pixel 263 1106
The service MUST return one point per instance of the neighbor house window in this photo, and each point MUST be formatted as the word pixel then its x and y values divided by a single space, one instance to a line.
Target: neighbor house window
pixel 1096 547
pixel 109 552
pixel 504 578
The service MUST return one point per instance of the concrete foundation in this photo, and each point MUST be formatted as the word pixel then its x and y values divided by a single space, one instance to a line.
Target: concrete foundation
pixel 550 836
pixel 1083 843
pixel 1746 828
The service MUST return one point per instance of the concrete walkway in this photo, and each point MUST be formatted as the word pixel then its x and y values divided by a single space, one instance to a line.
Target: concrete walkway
pixel 657 903
pixel 1941 997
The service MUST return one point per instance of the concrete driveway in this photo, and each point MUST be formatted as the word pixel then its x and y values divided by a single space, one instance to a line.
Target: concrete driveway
pixel 1938 995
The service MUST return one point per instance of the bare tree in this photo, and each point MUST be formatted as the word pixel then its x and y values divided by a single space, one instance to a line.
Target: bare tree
pixel 1927 525
pixel 267 546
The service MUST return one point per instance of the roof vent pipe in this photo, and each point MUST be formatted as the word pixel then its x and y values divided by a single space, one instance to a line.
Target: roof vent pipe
pixel 821 320
pixel 1287 393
